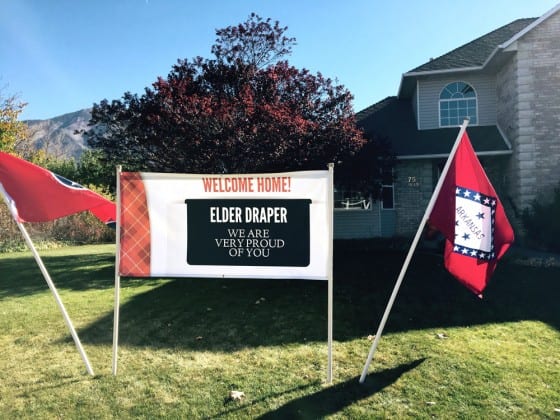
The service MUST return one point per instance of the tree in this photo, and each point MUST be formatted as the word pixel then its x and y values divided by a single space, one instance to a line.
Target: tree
pixel 243 111
pixel 254 42
pixel 91 170
pixel 13 133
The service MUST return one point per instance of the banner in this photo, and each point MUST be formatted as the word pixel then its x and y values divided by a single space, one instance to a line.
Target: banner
pixel 249 225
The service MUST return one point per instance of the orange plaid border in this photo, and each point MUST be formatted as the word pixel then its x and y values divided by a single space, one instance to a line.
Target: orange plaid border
pixel 135 227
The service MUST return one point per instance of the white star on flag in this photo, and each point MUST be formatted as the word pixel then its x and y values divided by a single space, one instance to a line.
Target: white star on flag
pixel 474 219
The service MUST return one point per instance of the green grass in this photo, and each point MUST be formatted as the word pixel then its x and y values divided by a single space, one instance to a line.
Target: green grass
pixel 185 343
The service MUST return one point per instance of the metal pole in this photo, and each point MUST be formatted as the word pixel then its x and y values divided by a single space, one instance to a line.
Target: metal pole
pixel 47 277
pixel 116 307
pixel 406 263
pixel 330 209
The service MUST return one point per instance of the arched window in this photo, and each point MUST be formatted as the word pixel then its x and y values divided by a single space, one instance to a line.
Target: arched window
pixel 457 100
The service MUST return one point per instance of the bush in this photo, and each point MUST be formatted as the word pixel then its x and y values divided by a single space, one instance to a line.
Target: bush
pixel 76 229
pixel 542 222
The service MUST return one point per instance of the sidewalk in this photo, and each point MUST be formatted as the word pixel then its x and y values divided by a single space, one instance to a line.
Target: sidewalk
pixel 535 258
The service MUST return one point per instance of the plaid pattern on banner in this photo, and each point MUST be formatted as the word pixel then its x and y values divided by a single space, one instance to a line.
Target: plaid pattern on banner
pixel 135 227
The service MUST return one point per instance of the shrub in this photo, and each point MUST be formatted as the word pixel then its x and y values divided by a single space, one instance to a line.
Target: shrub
pixel 542 222
pixel 76 229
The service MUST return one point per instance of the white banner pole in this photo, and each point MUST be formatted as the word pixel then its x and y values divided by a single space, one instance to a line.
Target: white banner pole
pixel 116 307
pixel 330 210
pixel 48 279
pixel 406 263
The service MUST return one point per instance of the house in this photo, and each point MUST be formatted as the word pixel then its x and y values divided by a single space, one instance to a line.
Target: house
pixel 508 83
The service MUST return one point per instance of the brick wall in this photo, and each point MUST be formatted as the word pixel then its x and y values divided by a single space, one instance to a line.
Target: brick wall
pixel 415 182
pixel 507 111
pixel 413 189
pixel 529 111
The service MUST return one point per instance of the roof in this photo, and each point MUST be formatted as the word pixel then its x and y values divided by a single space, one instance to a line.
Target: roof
pixel 485 52
pixel 393 119
pixel 477 52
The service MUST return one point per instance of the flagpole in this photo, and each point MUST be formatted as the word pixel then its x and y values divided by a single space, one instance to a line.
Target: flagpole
pixel 48 279
pixel 330 209
pixel 116 308
pixel 415 241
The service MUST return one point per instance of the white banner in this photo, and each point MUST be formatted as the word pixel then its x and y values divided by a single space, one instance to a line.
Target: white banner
pixel 247 226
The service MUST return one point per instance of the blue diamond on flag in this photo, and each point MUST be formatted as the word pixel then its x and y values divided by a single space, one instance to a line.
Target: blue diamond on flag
pixel 474 224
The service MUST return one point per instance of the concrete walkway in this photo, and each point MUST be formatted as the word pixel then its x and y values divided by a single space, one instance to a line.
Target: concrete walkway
pixel 535 258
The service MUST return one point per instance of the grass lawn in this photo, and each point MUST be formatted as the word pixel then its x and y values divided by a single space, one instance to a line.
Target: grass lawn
pixel 186 343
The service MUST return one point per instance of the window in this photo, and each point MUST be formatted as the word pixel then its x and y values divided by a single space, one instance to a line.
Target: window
pixel 387 190
pixel 457 100
pixel 351 200
pixel 387 196
pixel 437 169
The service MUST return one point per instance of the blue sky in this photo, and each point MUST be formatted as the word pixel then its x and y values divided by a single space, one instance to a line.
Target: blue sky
pixel 62 56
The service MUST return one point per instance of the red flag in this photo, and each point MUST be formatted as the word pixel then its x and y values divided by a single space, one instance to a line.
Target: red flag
pixel 40 195
pixel 471 217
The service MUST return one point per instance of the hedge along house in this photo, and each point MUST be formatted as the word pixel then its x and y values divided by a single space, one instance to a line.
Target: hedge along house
pixel 508 83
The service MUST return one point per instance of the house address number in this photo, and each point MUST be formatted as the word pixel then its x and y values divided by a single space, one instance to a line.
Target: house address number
pixel 413 181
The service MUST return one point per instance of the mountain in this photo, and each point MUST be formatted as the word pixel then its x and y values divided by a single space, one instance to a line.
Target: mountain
pixel 57 135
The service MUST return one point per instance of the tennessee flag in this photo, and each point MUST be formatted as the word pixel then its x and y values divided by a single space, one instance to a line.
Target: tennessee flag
pixel 40 195
pixel 471 217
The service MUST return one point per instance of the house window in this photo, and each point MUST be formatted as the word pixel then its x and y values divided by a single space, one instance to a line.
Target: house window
pixel 351 200
pixel 457 100
pixel 437 169
pixel 387 190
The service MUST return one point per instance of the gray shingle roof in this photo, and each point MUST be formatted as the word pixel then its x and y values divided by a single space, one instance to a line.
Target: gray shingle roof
pixel 393 119
pixel 475 53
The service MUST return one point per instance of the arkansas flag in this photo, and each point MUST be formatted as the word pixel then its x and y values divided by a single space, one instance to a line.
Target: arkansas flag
pixel 471 217
pixel 40 195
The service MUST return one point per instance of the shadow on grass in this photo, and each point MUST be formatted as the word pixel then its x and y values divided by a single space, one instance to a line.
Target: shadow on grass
pixel 229 314
pixel 332 399
pixel 430 297
pixel 226 315
pixel 218 314
pixel 21 276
